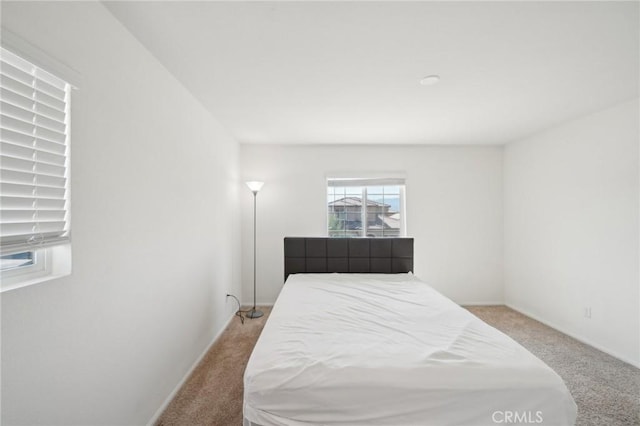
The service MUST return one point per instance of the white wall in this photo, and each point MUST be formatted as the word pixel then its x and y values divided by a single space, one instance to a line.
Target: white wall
pixel 571 228
pixel 155 236
pixel 454 210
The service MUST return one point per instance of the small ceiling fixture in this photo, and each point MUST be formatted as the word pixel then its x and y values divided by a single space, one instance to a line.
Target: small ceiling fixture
pixel 430 80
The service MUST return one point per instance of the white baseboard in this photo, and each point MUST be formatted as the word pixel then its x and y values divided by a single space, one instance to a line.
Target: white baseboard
pixel 582 339
pixel 173 393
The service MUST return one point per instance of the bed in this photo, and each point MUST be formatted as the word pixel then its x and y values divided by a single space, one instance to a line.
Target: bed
pixel 356 339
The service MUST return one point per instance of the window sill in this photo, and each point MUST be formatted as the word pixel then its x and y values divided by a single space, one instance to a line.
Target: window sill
pixel 58 266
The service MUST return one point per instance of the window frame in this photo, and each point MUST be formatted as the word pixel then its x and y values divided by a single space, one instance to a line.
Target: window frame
pixel 394 180
pixel 50 262
pixel 25 275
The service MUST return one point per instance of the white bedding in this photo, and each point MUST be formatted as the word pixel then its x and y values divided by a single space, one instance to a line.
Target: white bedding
pixel 352 349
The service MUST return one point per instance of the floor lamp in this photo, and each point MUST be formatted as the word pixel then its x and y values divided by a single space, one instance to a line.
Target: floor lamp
pixel 254 187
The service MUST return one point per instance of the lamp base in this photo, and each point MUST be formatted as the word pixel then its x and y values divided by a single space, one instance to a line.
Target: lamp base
pixel 254 313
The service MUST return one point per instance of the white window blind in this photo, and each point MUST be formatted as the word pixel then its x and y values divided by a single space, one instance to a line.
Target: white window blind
pixel 34 160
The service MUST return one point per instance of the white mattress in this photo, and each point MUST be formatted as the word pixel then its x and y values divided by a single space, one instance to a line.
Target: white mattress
pixel 352 349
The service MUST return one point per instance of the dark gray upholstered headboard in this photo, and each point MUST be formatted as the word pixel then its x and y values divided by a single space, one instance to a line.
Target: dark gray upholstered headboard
pixel 355 255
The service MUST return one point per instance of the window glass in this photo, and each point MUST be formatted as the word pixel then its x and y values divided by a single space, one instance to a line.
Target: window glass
pixel 365 211
pixel 17 260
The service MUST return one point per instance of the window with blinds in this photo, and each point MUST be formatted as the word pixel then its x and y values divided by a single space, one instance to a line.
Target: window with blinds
pixel 365 207
pixel 34 157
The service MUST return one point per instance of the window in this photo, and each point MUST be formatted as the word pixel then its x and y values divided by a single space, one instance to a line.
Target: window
pixel 34 168
pixel 19 269
pixel 365 207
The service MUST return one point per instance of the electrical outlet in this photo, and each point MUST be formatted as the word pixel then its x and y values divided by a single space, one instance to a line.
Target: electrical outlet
pixel 587 312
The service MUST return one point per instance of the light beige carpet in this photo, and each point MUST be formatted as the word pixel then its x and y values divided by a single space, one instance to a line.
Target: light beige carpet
pixel 213 393
pixel 606 390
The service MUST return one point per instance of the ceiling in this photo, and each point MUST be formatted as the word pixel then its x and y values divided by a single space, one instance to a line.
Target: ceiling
pixel 348 72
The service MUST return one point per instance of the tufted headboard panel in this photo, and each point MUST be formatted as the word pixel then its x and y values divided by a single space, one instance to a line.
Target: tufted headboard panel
pixel 348 255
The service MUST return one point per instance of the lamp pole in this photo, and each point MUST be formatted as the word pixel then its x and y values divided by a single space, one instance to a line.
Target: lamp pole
pixel 254 187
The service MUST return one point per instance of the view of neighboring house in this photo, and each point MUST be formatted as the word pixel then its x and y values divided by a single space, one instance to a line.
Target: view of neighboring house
pixel 347 218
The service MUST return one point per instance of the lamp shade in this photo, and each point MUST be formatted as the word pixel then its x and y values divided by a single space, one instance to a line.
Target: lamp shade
pixel 255 186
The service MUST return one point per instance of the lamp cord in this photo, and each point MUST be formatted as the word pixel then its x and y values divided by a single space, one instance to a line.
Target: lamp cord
pixel 239 312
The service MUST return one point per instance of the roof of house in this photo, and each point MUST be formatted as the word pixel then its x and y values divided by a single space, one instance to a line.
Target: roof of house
pixel 355 202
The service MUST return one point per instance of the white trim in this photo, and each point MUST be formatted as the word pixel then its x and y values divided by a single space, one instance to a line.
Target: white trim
pixel 364 184
pixel 174 392
pixel 403 210
pixel 36 56
pixel 57 264
pixel 576 336
pixel 359 181
pixel 26 275
pixel 367 175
